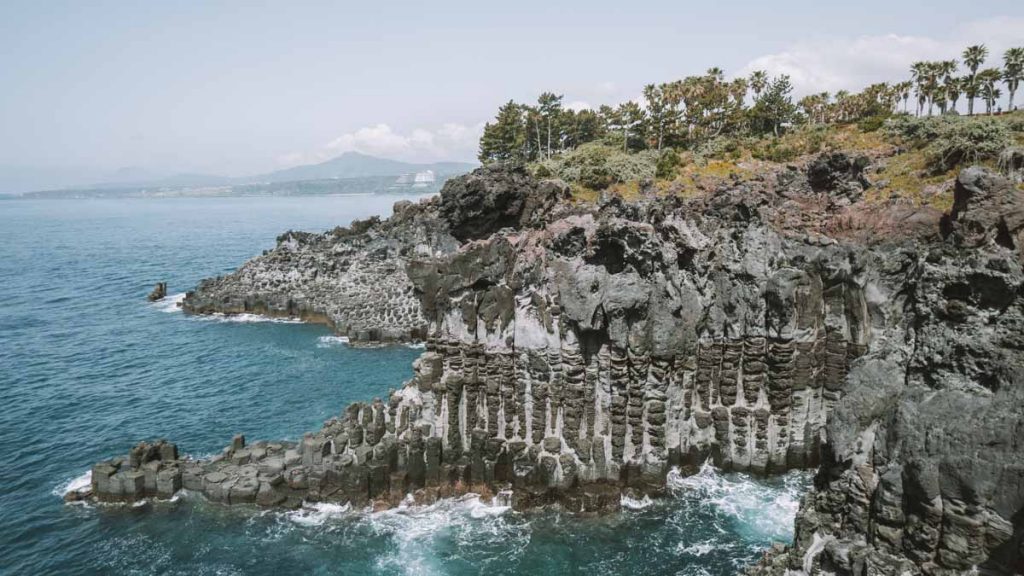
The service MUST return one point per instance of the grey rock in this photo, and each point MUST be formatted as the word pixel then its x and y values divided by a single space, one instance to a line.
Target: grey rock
pixel 576 350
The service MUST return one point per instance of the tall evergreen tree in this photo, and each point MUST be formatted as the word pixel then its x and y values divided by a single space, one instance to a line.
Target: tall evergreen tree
pixel 550 107
pixel 774 109
pixel 504 140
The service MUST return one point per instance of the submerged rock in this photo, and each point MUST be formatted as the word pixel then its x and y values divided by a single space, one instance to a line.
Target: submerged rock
pixel 576 352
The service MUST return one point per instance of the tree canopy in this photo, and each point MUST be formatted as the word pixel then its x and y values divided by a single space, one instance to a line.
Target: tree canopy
pixel 692 111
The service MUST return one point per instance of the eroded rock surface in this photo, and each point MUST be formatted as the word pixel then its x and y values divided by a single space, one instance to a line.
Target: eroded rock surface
pixel 352 279
pixel 923 468
pixel 574 351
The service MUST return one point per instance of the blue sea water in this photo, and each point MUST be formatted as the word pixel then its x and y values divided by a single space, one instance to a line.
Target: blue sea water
pixel 88 368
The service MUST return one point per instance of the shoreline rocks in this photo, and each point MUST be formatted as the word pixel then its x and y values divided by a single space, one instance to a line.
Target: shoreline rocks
pixel 159 292
pixel 574 352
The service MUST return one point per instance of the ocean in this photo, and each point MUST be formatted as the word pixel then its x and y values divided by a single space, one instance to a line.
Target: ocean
pixel 88 367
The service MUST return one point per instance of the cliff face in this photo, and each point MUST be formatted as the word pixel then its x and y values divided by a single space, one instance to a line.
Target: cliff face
pixel 575 351
pixel 923 470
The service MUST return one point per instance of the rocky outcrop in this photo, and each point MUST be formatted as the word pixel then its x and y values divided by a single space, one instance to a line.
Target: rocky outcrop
pixel 491 198
pixel 158 293
pixel 576 351
pixel 352 279
pixel 923 468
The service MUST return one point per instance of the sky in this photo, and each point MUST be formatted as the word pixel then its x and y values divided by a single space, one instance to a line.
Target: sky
pixel 100 90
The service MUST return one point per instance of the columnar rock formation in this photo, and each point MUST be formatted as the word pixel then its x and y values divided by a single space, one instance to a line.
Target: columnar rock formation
pixel 574 351
pixel 923 471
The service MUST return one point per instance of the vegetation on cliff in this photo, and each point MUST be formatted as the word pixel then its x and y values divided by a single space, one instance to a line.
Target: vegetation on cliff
pixel 685 137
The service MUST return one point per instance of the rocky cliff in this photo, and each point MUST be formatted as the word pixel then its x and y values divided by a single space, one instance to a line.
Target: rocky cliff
pixel 574 351
pixel 923 468
pixel 352 279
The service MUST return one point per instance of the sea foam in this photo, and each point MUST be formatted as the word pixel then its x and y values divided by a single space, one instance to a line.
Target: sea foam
pixel 631 503
pixel 331 341
pixel 76 484
pixel 246 318
pixel 170 303
pixel 762 510
pixel 318 513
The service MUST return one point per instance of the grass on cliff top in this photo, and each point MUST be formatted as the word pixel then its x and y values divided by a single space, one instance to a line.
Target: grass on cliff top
pixel 902 167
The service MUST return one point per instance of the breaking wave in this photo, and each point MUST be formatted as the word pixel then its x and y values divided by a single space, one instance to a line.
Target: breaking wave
pixel 245 318
pixel 631 503
pixel 318 513
pixel 421 539
pixel 170 303
pixel 76 484
pixel 762 509
pixel 331 341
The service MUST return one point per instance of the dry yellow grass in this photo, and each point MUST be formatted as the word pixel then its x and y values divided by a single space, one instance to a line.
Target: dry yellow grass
pixel 904 175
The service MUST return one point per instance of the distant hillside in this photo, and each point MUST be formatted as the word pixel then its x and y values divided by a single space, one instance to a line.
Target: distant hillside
pixel 348 173
pixel 356 165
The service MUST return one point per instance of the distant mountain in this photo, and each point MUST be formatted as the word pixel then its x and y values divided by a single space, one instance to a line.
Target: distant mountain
pixel 361 170
pixel 356 165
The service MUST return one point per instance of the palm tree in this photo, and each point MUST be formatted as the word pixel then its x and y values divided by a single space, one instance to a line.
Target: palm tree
pixel 823 100
pixel 841 106
pixel 919 77
pixel 974 57
pixel 944 70
pixel 904 93
pixel 988 78
pixel 954 88
pixel 758 82
pixel 1013 72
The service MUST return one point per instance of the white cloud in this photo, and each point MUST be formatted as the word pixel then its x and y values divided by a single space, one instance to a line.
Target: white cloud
pixel 852 63
pixel 448 142
pixel 577 105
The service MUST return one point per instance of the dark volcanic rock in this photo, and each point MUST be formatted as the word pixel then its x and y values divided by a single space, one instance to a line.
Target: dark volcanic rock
pixel 576 351
pixel 987 208
pixel 491 198
pixel 923 469
pixel 840 175
pixel 352 279
pixel 158 293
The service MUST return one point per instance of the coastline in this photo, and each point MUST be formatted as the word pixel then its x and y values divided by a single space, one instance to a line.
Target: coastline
pixel 576 354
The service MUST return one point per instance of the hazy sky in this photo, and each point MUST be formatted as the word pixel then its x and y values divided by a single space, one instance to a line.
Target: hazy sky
pixel 87 88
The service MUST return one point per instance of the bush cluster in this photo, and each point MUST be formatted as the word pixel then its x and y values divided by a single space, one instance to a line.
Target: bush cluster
pixel 598 166
pixel 950 141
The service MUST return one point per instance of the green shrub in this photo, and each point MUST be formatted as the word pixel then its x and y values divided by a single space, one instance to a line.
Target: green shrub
pixel 668 165
pixel 950 141
pixel 720 147
pixel 542 171
pixel 913 129
pixel 872 123
pixel 1015 121
pixel 597 166
pixel 817 137
pixel 775 150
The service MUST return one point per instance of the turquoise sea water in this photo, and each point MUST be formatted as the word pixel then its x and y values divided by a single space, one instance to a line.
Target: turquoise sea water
pixel 88 367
